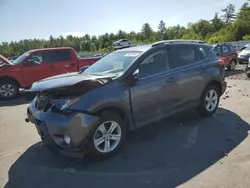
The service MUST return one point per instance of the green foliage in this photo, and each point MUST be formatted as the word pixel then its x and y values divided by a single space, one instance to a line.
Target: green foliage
pixel 246 37
pixel 229 15
pixel 229 27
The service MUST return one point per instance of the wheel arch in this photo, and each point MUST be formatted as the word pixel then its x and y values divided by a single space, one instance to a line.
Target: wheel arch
pixel 3 78
pixel 217 84
pixel 118 109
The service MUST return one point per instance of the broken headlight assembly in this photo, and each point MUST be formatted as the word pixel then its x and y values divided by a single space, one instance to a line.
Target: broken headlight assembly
pixel 68 103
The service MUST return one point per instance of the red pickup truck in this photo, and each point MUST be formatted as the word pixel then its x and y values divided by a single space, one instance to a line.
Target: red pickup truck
pixel 35 65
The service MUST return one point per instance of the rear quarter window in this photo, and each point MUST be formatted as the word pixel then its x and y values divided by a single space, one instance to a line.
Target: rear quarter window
pixel 202 52
pixel 231 48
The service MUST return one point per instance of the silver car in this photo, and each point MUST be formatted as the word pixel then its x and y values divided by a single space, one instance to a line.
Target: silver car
pixel 122 43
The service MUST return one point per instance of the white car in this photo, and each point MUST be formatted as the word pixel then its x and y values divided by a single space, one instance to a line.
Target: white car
pixel 122 43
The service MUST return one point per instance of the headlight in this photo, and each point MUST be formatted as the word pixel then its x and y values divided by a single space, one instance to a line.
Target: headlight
pixel 69 103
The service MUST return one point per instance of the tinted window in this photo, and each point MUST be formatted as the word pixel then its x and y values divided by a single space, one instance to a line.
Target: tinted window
pixel 35 59
pixel 232 49
pixel 181 56
pixel 225 49
pixel 57 55
pixel 154 63
pixel 202 52
pixel 217 49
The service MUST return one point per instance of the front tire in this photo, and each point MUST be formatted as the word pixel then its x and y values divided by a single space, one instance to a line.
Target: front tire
pixel 209 101
pixel 8 89
pixel 107 136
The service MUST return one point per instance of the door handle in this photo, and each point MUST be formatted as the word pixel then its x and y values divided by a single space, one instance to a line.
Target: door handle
pixel 51 66
pixel 73 64
pixel 170 80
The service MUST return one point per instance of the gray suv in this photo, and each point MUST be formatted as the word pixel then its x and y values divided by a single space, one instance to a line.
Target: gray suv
pixel 92 112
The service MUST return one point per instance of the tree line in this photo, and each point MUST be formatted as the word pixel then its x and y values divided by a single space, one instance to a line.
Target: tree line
pixel 225 26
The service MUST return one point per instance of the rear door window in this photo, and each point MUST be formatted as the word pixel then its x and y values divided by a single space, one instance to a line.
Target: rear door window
pixel 182 55
pixel 225 49
pixel 57 56
pixel 217 49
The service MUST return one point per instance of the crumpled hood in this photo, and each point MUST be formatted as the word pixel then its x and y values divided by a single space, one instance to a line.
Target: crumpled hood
pixel 64 80
pixel 4 59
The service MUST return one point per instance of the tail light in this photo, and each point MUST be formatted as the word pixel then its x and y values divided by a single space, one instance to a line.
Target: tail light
pixel 221 62
pixel 222 68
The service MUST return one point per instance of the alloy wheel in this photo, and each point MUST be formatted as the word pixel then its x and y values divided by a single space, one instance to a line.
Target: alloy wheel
pixel 107 136
pixel 7 90
pixel 211 100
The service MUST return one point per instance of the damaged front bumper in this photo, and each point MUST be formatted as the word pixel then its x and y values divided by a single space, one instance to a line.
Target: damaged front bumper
pixel 64 133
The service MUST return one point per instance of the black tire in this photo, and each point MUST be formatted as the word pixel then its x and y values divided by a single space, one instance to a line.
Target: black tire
pixel 232 65
pixel 202 109
pixel 91 151
pixel 248 75
pixel 14 85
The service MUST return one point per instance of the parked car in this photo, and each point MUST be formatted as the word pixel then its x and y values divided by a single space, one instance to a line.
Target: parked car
pixel 35 65
pixel 248 68
pixel 244 55
pixel 122 43
pixel 12 58
pixel 227 53
pixel 244 47
pixel 91 112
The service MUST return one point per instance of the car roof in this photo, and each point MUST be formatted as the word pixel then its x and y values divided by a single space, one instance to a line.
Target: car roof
pixel 146 47
pixel 45 49
pixel 141 48
pixel 220 44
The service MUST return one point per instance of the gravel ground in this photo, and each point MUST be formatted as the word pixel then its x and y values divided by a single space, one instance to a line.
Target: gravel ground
pixel 184 151
pixel 238 73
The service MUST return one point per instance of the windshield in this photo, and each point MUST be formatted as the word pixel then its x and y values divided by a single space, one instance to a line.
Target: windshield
pixel 247 48
pixel 20 58
pixel 113 63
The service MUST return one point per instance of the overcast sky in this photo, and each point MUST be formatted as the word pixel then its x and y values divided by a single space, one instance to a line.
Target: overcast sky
pixel 28 19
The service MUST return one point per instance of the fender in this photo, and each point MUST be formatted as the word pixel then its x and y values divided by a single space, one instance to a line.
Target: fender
pixel 5 77
pixel 121 108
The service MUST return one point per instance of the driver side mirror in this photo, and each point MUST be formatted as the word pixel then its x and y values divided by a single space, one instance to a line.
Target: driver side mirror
pixel 136 74
pixel 217 53
pixel 82 69
pixel 242 48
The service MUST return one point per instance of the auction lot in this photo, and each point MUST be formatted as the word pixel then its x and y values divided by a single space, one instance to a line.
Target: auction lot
pixel 183 151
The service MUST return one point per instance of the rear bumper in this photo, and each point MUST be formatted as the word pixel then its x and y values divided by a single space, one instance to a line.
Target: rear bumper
pixel 223 87
pixel 248 69
pixel 52 127
pixel 243 59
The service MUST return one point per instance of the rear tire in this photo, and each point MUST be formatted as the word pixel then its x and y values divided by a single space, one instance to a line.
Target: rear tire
pixel 209 101
pixel 231 65
pixel 102 142
pixel 8 89
pixel 248 75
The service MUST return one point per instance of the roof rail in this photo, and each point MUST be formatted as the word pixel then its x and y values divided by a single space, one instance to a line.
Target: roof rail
pixel 175 41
